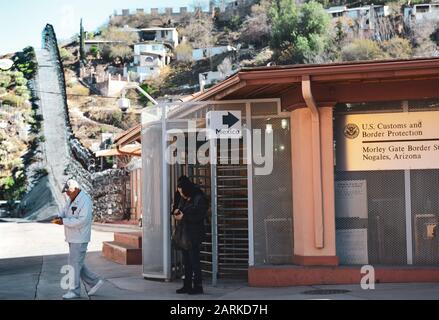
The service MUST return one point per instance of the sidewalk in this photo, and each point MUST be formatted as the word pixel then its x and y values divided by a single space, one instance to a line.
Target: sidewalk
pixel 39 278
pixel 37 275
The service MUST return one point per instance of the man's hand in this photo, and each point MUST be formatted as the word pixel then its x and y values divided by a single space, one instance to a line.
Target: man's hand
pixel 179 216
pixel 57 221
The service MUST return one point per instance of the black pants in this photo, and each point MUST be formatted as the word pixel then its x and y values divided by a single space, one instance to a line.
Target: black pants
pixel 192 267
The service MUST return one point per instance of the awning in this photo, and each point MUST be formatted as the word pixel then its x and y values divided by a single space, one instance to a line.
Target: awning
pixel 133 150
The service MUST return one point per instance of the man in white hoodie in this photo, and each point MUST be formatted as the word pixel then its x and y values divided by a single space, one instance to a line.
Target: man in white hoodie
pixel 77 219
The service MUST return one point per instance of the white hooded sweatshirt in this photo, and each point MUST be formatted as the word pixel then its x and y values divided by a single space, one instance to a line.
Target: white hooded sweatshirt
pixel 77 218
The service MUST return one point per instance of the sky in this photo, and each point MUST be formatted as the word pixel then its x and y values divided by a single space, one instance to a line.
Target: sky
pixel 22 21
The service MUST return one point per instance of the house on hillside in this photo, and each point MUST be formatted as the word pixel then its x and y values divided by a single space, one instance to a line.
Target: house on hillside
pixel 168 36
pixel 364 18
pixel 204 53
pixel 422 12
pixel 149 59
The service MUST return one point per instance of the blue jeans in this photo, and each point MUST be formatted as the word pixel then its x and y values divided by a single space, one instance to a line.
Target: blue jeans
pixel 77 261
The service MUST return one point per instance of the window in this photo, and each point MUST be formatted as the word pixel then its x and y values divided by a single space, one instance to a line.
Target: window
pixel 423 8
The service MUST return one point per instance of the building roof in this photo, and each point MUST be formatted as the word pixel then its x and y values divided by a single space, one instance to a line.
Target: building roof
pixel 269 82
pixel 149 52
pixel 337 82
pixel 336 9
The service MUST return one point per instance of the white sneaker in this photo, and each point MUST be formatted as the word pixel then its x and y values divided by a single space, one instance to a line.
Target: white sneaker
pixel 70 295
pixel 96 288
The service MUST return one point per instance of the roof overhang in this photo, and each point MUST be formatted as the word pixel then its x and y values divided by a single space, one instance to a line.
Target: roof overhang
pixel 331 83
pixel 339 82
pixel 131 150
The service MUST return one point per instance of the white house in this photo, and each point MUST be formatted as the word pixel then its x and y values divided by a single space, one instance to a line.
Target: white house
pixel 149 58
pixel 422 12
pixel 336 12
pixel 200 54
pixel 358 12
pixel 361 15
pixel 166 35
pixel 147 54
pixel 212 77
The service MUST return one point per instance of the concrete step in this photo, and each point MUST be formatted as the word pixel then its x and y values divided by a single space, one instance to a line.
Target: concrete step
pixel 110 227
pixel 122 253
pixel 133 239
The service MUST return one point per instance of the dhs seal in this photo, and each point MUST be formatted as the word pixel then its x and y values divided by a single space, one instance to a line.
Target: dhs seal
pixel 351 131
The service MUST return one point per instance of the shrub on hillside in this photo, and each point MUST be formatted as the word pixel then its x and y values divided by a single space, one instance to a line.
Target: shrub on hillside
pixel 78 90
pixel 184 52
pixel 398 48
pixel 12 100
pixel 65 54
pixel 362 49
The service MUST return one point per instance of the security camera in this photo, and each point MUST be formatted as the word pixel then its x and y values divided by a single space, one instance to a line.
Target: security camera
pixel 124 104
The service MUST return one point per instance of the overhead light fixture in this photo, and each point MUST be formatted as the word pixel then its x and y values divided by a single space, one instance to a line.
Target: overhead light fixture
pixel 284 123
pixel 269 128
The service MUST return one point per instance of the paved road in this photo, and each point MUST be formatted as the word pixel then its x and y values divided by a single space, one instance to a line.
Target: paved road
pixel 31 257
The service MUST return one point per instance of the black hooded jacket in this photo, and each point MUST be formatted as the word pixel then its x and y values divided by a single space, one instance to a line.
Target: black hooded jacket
pixel 194 214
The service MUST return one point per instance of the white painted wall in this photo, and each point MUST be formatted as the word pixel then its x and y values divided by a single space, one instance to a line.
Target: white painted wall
pixel 200 54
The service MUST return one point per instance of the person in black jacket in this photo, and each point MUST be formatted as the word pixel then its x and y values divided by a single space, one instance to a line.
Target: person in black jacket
pixel 191 212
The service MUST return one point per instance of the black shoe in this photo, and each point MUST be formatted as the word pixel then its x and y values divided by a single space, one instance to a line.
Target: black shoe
pixel 183 290
pixel 196 290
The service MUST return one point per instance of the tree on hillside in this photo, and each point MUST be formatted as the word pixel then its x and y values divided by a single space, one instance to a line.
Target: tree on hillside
pixel 119 34
pixel 199 33
pixel 338 37
pixel 299 34
pixel 184 52
pixel 26 62
pixel 65 54
pixel 81 42
pixel 256 27
pixel 122 49
pixel 398 48
pixel 423 38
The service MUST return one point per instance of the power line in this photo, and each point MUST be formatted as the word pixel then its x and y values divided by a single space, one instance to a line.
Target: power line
pixel 73 95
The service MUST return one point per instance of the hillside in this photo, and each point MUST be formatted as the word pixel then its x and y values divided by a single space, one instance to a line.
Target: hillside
pixel 19 126
pixel 256 33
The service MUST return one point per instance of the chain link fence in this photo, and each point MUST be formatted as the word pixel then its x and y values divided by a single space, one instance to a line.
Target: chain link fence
pixel 381 235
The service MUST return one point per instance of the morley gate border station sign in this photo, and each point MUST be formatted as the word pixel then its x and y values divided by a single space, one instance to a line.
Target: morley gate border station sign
pixel 388 141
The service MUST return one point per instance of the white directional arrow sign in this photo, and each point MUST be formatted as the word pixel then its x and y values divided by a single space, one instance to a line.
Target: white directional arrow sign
pixel 224 124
